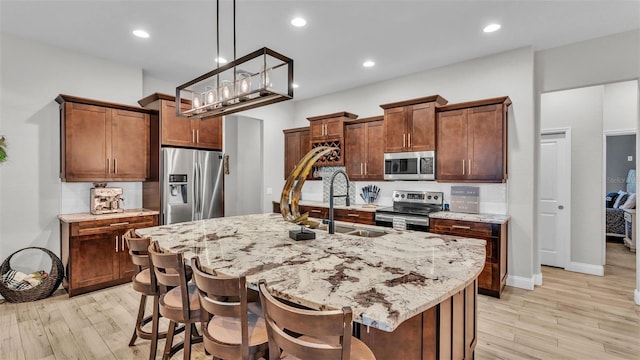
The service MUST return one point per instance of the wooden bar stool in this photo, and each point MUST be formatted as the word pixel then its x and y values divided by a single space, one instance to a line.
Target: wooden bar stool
pixel 324 335
pixel 179 303
pixel 144 282
pixel 233 329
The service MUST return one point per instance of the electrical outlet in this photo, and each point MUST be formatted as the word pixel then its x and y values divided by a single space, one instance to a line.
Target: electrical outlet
pixel 629 158
pixel 269 191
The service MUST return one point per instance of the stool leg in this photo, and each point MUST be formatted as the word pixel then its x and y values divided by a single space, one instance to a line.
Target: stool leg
pixel 154 329
pixel 187 341
pixel 137 327
pixel 169 340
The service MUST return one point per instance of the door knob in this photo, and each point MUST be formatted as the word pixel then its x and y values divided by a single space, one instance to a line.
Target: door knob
pixel 560 207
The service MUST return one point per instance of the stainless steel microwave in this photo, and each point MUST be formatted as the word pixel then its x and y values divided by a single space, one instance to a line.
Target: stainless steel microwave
pixel 418 165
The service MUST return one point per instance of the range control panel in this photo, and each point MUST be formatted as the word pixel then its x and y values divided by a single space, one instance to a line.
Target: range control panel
pixel 418 197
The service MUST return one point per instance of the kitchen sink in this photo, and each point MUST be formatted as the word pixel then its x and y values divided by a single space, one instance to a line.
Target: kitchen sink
pixel 352 230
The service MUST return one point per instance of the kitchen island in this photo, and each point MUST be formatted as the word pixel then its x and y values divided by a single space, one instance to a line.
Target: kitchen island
pixel 413 294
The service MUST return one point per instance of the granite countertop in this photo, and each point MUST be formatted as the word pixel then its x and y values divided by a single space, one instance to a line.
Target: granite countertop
pixel 485 218
pixel 71 218
pixel 359 207
pixel 386 280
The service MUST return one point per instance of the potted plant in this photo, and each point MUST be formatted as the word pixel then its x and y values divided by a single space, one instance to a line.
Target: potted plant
pixel 3 152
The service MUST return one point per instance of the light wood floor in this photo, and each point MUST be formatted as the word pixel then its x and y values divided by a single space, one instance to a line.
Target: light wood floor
pixel 571 316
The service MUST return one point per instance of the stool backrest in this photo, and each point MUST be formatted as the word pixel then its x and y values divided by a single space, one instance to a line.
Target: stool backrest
pixel 138 249
pixel 331 328
pixel 169 270
pixel 224 296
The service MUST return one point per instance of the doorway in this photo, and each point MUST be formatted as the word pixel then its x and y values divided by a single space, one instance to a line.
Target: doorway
pixel 243 142
pixel 554 198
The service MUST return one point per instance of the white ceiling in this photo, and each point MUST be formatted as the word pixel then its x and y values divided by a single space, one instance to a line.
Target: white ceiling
pixel 402 37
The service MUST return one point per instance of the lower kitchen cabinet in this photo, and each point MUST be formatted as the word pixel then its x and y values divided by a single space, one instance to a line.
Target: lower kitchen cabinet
pixel 346 215
pixel 95 254
pixel 494 275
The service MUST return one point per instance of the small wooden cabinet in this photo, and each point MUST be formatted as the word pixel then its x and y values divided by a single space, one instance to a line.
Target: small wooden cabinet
pixel 103 141
pixel 411 125
pixel 95 254
pixel 494 275
pixel 341 214
pixel 472 141
pixel 296 145
pixel 328 130
pixel 182 131
pixel 364 152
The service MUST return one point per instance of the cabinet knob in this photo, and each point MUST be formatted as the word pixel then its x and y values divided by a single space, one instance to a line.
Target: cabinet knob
pixel 560 207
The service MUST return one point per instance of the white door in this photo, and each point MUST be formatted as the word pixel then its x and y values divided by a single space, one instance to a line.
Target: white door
pixel 554 218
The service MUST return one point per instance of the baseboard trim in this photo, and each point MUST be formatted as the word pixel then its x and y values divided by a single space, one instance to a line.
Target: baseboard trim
pixel 590 269
pixel 537 279
pixel 636 296
pixel 521 282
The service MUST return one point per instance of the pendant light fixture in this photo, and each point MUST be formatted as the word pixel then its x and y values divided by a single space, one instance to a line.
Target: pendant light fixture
pixel 260 78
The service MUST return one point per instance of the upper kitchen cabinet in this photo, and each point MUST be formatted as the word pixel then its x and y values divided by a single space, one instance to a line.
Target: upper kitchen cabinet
pixel 411 125
pixel 328 130
pixel 297 144
pixel 363 148
pixel 472 141
pixel 103 141
pixel 182 131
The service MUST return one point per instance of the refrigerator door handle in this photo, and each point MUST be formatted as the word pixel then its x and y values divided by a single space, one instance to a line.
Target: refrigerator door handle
pixel 194 215
pixel 199 190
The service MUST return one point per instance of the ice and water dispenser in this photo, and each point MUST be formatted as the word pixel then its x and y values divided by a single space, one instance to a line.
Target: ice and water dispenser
pixel 178 189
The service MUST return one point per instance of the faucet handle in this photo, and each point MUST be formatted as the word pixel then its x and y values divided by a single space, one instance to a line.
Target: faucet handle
pixel 325 221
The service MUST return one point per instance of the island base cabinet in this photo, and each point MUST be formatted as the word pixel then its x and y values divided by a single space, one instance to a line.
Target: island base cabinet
pixel 445 331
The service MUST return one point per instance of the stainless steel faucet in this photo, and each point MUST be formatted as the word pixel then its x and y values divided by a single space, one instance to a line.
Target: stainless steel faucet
pixel 332 225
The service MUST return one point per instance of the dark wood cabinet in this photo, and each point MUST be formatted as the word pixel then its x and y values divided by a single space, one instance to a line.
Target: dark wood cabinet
pixel 341 214
pixel 472 141
pixel 411 125
pixel 296 145
pixel 95 254
pixel 494 275
pixel 103 141
pixel 181 131
pixel 363 148
pixel 328 130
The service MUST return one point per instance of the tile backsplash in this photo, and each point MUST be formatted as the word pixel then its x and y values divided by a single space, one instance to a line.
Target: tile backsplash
pixel 75 196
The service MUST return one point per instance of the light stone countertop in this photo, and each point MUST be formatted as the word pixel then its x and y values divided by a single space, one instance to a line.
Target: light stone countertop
pixel 359 207
pixel 485 218
pixel 386 280
pixel 71 218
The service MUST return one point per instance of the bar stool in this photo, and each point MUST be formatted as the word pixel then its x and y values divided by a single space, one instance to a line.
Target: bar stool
pixel 179 303
pixel 233 329
pixel 325 335
pixel 144 282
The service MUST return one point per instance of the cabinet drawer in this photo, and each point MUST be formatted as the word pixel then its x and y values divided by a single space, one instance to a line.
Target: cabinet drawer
pixel 462 228
pixel 315 212
pixel 354 216
pixel 109 225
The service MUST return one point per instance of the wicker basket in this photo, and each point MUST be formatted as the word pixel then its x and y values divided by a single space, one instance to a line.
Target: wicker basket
pixel 42 290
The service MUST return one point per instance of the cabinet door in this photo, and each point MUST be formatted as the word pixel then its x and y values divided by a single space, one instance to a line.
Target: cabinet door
pixel 316 129
pixel 395 130
pixel 355 155
pixel 291 152
pixel 305 146
pixel 126 268
pixel 421 122
pixel 333 128
pixel 176 130
pixel 485 143
pixel 208 133
pixel 451 154
pixel 129 145
pixel 85 142
pixel 374 151
pixel 93 259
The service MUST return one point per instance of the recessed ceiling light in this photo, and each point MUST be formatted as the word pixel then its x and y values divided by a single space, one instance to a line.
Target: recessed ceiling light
pixel 298 22
pixel 368 63
pixel 295 86
pixel 141 33
pixel 491 28
pixel 221 60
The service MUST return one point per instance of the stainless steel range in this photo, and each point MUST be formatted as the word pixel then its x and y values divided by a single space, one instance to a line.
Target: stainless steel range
pixel 410 210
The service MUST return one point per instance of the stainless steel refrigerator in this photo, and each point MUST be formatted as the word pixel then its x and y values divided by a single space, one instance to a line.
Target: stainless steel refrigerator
pixel 192 183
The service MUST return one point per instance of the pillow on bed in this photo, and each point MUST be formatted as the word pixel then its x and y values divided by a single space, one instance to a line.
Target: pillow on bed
pixel 630 203
pixel 611 199
pixel 622 198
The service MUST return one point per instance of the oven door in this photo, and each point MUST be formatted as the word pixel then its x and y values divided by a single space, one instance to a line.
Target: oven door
pixel 419 223
pixel 410 166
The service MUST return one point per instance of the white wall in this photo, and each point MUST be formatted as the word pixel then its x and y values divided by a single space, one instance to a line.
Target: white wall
pixel 581 110
pixel 30 189
pixel 510 74
pixel 620 106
